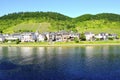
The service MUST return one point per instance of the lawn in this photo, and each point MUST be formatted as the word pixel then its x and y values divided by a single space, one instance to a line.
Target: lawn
pixel 81 43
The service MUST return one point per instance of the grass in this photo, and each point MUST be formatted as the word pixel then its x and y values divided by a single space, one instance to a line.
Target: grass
pixel 98 26
pixel 81 43
pixel 41 27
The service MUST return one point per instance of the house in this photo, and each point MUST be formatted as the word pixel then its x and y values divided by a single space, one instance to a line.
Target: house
pixel 41 37
pixel 62 36
pixel 17 35
pixel 58 37
pixel 2 38
pixel 89 36
pixel 102 36
pixel 98 36
pixel 47 37
pixel 113 36
pixel 51 36
pixel 36 33
pixel 74 35
pixel 65 36
pixel 10 37
pixel 28 37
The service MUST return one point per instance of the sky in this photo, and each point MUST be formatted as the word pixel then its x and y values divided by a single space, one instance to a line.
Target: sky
pixel 71 8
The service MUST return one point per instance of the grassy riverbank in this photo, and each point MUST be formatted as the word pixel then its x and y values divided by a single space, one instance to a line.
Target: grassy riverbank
pixel 81 43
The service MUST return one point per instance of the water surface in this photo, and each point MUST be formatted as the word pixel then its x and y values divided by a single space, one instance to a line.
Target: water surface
pixel 60 63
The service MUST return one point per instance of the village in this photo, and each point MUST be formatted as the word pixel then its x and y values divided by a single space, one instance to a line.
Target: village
pixel 60 36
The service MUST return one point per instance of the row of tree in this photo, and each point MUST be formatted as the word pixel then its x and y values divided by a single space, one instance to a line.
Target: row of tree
pixel 58 16
pixel 104 16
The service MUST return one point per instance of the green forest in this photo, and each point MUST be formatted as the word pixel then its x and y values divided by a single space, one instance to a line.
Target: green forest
pixel 52 21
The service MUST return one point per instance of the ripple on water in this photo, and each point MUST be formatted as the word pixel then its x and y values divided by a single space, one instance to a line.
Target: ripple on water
pixel 7 65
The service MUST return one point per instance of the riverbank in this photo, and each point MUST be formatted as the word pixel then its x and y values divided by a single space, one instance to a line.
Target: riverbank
pixel 50 44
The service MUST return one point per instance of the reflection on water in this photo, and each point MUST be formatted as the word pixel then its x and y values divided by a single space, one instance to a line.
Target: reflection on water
pixel 60 63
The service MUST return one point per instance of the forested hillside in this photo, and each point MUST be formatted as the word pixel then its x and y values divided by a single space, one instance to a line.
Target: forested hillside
pixel 52 21
pixel 104 16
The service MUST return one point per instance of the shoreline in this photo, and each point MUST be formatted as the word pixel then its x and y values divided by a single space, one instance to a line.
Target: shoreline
pixel 59 45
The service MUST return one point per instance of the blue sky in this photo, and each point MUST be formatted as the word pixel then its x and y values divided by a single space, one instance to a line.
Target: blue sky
pixel 72 8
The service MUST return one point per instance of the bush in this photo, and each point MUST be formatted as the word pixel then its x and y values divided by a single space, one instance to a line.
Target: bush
pixel 97 39
pixel 76 40
pixel 5 41
pixel 110 38
pixel 17 41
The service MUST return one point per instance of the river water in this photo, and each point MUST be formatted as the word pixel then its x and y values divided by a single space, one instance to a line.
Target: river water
pixel 60 63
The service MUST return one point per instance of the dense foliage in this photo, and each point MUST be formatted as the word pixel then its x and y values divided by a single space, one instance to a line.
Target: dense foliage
pixel 52 21
pixel 13 19
pixel 35 15
pixel 104 16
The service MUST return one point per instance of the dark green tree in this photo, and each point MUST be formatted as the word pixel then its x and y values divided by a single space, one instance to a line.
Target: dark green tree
pixel 17 41
pixel 76 40
pixel 82 37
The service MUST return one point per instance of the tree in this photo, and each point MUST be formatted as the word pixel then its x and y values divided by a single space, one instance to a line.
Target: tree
pixel 17 41
pixel 76 40
pixel 1 31
pixel 82 37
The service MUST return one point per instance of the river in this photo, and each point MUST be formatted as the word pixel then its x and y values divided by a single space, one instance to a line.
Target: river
pixel 60 63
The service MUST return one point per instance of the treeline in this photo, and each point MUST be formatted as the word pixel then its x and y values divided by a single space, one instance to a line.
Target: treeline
pixel 59 17
pixel 35 15
pixel 104 16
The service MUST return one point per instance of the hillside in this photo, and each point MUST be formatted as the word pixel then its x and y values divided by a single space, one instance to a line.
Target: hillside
pixel 104 16
pixel 52 21
pixel 104 22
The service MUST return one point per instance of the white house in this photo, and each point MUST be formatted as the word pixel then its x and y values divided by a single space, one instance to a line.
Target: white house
pixel 89 36
pixel 74 35
pixel 10 38
pixel 28 37
pixel 17 35
pixel 102 36
pixel 2 38
pixel 41 37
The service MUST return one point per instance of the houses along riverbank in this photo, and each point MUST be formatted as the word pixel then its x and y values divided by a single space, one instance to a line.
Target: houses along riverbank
pixel 60 38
